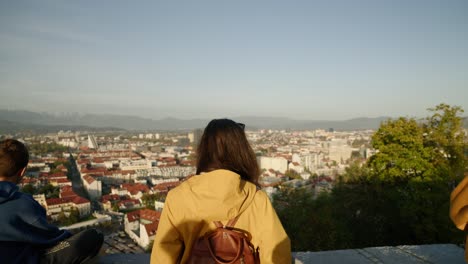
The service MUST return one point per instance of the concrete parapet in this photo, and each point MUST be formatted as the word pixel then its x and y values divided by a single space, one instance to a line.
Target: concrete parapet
pixel 436 254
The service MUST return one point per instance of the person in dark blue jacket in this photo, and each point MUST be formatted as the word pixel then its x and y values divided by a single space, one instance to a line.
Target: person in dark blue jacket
pixel 25 234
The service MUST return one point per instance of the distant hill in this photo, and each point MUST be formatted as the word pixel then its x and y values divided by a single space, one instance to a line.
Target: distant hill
pixel 10 127
pixel 19 119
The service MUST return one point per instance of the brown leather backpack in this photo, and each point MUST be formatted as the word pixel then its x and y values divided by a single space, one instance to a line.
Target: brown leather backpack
pixel 224 245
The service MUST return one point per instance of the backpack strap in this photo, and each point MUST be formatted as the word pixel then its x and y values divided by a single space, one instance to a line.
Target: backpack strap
pixel 232 222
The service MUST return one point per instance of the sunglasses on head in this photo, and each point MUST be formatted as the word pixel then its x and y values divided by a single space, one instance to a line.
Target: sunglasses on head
pixel 241 125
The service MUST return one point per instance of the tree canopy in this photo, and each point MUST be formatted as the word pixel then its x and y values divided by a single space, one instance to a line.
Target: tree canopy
pixel 399 196
pixel 430 149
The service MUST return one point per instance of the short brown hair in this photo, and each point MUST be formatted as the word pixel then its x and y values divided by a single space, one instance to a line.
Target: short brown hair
pixel 224 145
pixel 14 156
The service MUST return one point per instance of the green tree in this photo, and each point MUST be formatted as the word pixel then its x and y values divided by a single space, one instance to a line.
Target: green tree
pixel 292 174
pixel 149 199
pixel 402 154
pixel 28 188
pixel 309 223
pixel 355 172
pixel 72 218
pixel 115 207
pixel 444 134
pixel 49 191
pixel 46 148
pixel 400 196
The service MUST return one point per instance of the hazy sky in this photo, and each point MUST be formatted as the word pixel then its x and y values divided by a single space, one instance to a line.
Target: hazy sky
pixel 300 59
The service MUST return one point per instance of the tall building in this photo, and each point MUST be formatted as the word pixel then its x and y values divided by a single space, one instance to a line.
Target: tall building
pixel 276 163
pixel 195 136
pixel 92 144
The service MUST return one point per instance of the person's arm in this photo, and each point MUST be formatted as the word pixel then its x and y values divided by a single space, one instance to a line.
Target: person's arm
pixel 168 244
pixel 274 243
pixel 459 204
pixel 36 229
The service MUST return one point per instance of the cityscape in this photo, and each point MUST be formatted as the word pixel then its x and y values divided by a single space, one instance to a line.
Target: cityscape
pixel 118 181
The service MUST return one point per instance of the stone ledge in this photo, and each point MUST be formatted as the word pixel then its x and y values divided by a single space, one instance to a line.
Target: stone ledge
pixel 437 254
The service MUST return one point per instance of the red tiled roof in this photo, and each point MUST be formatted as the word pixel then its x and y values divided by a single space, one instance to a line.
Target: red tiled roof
pixel 165 186
pixel 83 161
pixel 66 189
pixel 133 216
pixel 152 228
pixel 110 197
pixel 67 194
pixel 36 161
pixel 88 179
pixel 187 162
pixel 147 214
pixel 127 171
pixel 64 200
pixel 96 175
pixel 63 181
pixel 167 159
pixel 98 160
pixel 28 180
pixel 150 215
pixel 134 188
pixel 80 200
pixel 58 174
pixel 129 202
pixel 55 201
pixel 93 170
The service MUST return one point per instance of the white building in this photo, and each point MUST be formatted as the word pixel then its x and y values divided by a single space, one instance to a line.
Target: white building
pixel 276 163
pixel 140 164
pixel 40 198
pixel 155 181
pixel 141 226
pixel 311 161
pixel 55 206
pixel 340 154
pixel 93 187
pixel 158 205
pixel 295 166
pixel 191 137
pixel 68 142
pixel 92 144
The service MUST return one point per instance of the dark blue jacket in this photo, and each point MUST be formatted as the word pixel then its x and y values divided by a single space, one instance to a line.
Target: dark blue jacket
pixel 24 231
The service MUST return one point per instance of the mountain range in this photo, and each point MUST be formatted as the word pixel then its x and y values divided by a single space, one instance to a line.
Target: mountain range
pixel 21 119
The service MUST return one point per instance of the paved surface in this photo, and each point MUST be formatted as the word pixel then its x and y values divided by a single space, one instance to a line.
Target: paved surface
pixel 433 254
pixel 119 243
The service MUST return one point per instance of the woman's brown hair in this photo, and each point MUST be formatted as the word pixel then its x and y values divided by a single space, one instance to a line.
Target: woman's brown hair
pixel 224 145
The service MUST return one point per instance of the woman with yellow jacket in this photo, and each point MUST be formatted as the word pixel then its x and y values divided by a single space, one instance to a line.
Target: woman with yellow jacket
pixel 459 208
pixel 225 187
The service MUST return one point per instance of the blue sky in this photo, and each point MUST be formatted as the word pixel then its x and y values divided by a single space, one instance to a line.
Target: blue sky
pixel 202 59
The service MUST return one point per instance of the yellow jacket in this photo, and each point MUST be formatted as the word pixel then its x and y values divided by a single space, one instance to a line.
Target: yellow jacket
pixel 459 208
pixel 191 208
